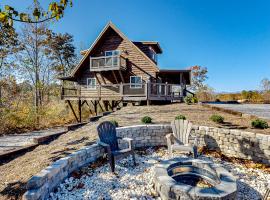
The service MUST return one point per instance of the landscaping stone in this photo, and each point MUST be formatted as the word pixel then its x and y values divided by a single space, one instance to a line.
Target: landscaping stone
pixel 138 182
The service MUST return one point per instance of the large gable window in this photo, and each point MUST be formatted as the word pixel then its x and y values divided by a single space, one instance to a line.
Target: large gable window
pixel 135 82
pixel 91 83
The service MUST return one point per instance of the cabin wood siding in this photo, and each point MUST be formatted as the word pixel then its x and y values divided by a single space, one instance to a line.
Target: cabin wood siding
pixel 144 48
pixel 137 64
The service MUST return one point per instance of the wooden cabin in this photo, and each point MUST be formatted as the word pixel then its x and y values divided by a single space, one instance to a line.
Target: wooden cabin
pixel 115 69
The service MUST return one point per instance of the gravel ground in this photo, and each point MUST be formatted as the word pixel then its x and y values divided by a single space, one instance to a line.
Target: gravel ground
pixel 260 110
pixel 137 183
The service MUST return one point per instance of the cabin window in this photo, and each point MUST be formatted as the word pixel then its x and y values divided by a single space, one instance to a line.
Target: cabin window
pixel 153 54
pixel 91 83
pixel 135 82
pixel 112 57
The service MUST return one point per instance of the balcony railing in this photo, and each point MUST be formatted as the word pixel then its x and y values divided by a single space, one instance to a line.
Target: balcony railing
pixel 105 63
pixel 151 91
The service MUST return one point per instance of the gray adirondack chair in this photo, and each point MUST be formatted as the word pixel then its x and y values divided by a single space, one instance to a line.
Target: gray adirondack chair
pixel 179 139
pixel 109 140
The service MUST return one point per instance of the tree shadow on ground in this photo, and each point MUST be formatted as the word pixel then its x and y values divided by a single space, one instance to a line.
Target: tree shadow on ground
pixel 248 147
pixel 230 125
pixel 211 143
pixel 13 190
pixel 77 141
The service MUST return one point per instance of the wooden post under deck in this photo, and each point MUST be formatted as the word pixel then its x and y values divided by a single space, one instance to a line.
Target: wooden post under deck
pixel 80 110
pixel 105 103
pixel 70 105
pixel 95 105
pixel 148 90
pixel 89 107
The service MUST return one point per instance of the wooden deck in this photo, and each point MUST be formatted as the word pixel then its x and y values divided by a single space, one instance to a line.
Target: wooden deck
pixel 125 92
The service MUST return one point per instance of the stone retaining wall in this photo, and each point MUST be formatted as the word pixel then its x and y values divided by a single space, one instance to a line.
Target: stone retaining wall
pixel 40 185
pixel 145 135
pixel 235 143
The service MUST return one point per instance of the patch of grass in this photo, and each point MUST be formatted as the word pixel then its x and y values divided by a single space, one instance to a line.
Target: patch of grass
pixel 259 123
pixel 146 120
pixel 180 117
pixel 217 118
pixel 114 122
pixel 190 100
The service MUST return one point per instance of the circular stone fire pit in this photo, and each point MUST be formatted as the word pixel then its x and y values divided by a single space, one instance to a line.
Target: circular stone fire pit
pixel 186 178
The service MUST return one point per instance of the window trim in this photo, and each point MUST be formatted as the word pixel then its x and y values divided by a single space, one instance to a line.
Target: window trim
pixel 153 54
pixel 88 86
pixel 119 51
pixel 135 86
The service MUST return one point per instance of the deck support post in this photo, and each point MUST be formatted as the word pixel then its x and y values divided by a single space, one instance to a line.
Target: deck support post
pixel 113 105
pixel 110 105
pixel 148 92
pixel 70 105
pixel 95 105
pixel 102 110
pixel 105 103
pixel 80 110
pixel 89 107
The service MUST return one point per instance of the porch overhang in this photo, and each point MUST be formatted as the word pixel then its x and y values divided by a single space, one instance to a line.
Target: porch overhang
pixel 67 78
pixel 175 76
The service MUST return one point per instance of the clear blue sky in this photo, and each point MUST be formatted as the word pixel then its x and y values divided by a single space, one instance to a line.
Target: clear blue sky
pixel 231 38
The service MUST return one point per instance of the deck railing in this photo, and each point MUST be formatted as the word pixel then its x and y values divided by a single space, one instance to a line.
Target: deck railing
pixel 154 91
pixel 104 63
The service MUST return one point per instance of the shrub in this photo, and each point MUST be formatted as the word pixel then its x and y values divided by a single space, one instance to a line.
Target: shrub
pixel 180 117
pixel 259 123
pixel 190 99
pixel 146 120
pixel 217 118
pixel 114 122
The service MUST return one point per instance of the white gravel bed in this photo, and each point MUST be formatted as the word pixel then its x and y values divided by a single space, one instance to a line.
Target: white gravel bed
pixel 137 182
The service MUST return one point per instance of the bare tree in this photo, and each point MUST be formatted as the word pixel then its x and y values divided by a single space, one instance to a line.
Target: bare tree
pixel 265 84
pixel 33 60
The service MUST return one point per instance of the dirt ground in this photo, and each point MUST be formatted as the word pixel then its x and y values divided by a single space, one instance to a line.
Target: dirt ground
pixel 16 171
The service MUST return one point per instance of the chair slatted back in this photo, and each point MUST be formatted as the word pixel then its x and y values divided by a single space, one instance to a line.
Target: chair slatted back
pixel 181 130
pixel 107 134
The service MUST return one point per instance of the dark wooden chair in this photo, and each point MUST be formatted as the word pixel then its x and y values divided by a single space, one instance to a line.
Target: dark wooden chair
pixel 109 140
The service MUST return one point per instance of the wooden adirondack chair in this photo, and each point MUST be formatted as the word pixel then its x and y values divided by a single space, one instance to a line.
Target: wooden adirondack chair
pixel 179 139
pixel 109 140
pixel 267 193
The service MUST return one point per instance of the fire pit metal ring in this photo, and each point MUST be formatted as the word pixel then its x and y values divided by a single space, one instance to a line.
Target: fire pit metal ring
pixel 186 178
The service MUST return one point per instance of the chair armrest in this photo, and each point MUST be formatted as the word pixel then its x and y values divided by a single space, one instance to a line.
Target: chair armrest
pixel 169 140
pixel 169 136
pixel 105 145
pixel 130 142
pixel 119 138
pixel 195 140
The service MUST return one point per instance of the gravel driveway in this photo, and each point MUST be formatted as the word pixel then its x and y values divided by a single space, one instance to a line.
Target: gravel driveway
pixel 260 110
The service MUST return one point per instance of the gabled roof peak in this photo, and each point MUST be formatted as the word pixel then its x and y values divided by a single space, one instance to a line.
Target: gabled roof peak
pixel 109 25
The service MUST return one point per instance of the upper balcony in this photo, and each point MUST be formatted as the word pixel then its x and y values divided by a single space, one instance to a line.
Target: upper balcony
pixel 107 63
